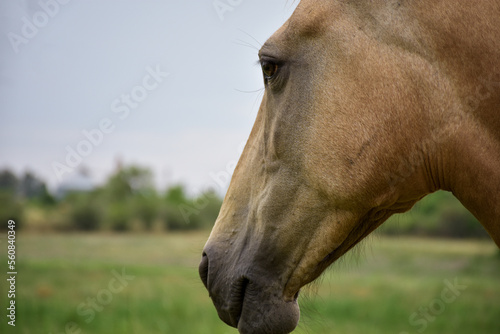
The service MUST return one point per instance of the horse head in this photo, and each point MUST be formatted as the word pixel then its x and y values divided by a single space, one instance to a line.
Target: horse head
pixel 366 110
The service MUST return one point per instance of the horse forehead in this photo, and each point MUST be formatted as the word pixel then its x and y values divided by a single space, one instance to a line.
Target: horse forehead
pixel 312 18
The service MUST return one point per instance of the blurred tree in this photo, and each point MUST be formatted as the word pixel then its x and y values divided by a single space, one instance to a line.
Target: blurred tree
pixel 10 208
pixel 30 186
pixel 34 189
pixel 17 194
pixel 85 213
pixel 129 181
pixel 183 213
pixel 45 198
pixel 440 215
pixel 173 219
pixel 176 195
pixel 118 216
pixel 128 194
pixel 146 209
pixel 8 181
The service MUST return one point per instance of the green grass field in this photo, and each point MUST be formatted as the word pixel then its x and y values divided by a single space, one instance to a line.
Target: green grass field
pixel 68 284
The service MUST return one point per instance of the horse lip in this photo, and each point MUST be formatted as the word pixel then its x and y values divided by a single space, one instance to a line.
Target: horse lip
pixel 236 300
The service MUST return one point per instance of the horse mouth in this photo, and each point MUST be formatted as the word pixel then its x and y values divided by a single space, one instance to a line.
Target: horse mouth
pixel 236 300
pixel 250 303
pixel 229 311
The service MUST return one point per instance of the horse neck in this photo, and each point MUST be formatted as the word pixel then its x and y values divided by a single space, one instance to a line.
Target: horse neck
pixel 475 176
pixel 465 48
pixel 474 157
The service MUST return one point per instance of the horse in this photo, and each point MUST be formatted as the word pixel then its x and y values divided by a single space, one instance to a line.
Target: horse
pixel 368 106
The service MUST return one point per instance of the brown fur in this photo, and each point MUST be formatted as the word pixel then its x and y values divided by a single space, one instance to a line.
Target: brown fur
pixel 376 104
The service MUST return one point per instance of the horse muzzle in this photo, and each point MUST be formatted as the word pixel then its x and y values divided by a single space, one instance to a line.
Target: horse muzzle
pixel 248 297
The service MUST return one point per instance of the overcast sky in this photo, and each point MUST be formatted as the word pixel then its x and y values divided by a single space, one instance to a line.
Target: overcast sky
pixel 169 85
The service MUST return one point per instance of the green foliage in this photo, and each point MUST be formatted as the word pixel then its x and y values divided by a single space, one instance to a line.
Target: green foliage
pixel 196 213
pixel 173 218
pixel 84 215
pixel 439 214
pixel 30 186
pixel 176 195
pixel 44 198
pixel 146 209
pixel 118 216
pixel 11 208
pixel 129 194
pixel 17 193
pixel 175 198
pixel 183 213
pixel 126 201
pixel 127 182
pixel 8 181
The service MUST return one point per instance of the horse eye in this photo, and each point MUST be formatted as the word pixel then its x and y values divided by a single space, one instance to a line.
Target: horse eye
pixel 269 69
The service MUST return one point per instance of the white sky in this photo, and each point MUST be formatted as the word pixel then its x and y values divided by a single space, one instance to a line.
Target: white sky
pixel 85 55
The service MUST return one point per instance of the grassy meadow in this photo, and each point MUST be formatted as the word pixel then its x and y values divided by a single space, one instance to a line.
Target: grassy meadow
pixel 127 283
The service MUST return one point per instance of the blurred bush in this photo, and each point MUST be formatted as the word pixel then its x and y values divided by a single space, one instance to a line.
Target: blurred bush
pixel 127 201
pixel 84 213
pixel 11 208
pixel 184 213
pixel 439 214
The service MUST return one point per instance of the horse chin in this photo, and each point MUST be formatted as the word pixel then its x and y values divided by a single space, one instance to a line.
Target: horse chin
pixel 274 316
pixel 256 308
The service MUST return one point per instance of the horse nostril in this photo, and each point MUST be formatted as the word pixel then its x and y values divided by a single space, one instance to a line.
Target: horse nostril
pixel 203 269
